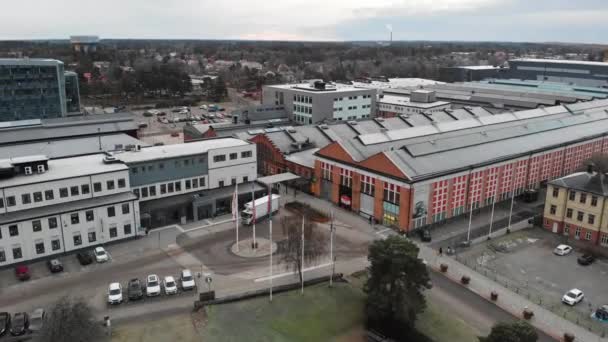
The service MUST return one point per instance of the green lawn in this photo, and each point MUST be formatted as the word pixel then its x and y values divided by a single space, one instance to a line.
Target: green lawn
pixel 167 328
pixel 321 314
pixel 441 326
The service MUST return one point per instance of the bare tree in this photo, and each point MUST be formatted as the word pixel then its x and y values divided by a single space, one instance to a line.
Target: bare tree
pixel 315 243
pixel 599 162
pixel 70 320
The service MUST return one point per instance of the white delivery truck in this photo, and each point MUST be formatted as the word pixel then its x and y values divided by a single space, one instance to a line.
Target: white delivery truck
pixel 261 209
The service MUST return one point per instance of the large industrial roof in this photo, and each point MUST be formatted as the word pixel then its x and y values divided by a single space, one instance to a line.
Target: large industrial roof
pixel 406 102
pixel 559 61
pixel 47 129
pixel 424 151
pixel 68 147
pixel 30 61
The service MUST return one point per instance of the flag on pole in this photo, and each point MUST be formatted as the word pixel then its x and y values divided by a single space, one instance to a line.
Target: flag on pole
pixel 235 203
pixel 253 203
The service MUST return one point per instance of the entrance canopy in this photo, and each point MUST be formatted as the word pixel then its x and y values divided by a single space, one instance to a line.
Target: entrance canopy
pixel 278 178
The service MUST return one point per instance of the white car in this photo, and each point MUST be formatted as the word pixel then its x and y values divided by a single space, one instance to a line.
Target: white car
pixel 152 285
pixel 562 250
pixel 203 107
pixel 573 297
pixel 187 280
pixel 170 285
pixel 114 293
pixel 101 255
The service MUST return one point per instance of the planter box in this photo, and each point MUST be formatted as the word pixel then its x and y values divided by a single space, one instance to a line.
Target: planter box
pixel 568 337
pixel 528 313
pixel 443 268
pixel 465 280
pixel 493 296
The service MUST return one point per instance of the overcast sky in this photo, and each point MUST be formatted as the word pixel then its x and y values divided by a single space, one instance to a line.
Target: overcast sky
pixel 490 20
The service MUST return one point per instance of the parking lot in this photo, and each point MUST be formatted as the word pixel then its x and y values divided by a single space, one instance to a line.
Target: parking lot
pixel 524 261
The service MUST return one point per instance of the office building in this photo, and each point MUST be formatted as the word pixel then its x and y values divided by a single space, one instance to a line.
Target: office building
pixel 575 207
pixel 51 207
pixel 192 181
pixel 470 73
pixel 35 89
pixel 582 73
pixel 317 101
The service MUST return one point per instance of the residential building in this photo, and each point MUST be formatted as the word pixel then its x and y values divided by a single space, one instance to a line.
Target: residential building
pixel 32 88
pixel 575 207
pixel 84 44
pixel 416 176
pixel 51 207
pixel 317 101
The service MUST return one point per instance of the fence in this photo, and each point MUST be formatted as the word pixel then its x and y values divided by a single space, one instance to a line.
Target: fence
pixel 536 296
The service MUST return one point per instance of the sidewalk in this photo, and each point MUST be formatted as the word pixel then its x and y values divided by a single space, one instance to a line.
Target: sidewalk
pixel 511 302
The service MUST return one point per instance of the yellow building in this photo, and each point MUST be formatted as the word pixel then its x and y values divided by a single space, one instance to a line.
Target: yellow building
pixel 577 205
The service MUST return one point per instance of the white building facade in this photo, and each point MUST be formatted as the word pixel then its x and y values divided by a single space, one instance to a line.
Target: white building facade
pixel 56 206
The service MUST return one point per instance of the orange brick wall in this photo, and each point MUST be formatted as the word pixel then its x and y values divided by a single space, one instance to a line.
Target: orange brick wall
pixel 356 198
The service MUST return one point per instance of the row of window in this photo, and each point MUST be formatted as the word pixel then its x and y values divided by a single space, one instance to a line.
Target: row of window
pixel 302 109
pixel 39 245
pixel 302 119
pixel 580 216
pixel 582 197
pixel 89 215
pixel 352 98
pixel 232 156
pixel 150 191
pixel 302 98
pixel 64 192
pixel 161 166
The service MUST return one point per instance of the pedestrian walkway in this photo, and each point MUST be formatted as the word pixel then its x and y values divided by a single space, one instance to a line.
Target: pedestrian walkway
pixel 543 319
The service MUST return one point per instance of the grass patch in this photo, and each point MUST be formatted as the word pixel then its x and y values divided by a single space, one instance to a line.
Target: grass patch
pixel 166 328
pixel 440 326
pixel 321 314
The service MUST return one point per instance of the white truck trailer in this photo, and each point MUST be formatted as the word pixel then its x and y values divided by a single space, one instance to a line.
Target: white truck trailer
pixel 261 209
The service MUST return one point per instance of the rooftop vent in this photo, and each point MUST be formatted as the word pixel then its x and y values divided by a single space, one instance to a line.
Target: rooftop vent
pixel 380 119
pixel 291 130
pixel 323 126
pixel 353 123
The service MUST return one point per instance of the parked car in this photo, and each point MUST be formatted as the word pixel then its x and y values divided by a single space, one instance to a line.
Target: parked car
pixel 37 320
pixel 573 297
pixel 5 322
pixel 585 259
pixel 562 250
pixel 170 285
pixel 55 265
pixel 152 285
pixel 425 235
pixel 22 272
pixel 187 280
pixel 19 324
pixel 134 289
pixel 175 134
pixel 203 107
pixel 84 258
pixel 101 255
pixel 601 313
pixel 148 113
pixel 114 293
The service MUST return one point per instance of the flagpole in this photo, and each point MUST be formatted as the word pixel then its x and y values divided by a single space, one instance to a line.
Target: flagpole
pixel 236 213
pixel 254 218
pixel 331 248
pixel 493 204
pixel 302 268
pixel 270 235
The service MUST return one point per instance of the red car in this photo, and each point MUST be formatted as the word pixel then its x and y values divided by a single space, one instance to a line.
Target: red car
pixel 22 272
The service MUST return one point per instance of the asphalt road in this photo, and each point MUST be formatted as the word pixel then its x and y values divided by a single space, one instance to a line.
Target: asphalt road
pixel 478 312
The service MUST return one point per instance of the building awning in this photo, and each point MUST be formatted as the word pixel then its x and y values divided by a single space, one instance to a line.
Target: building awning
pixel 278 178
